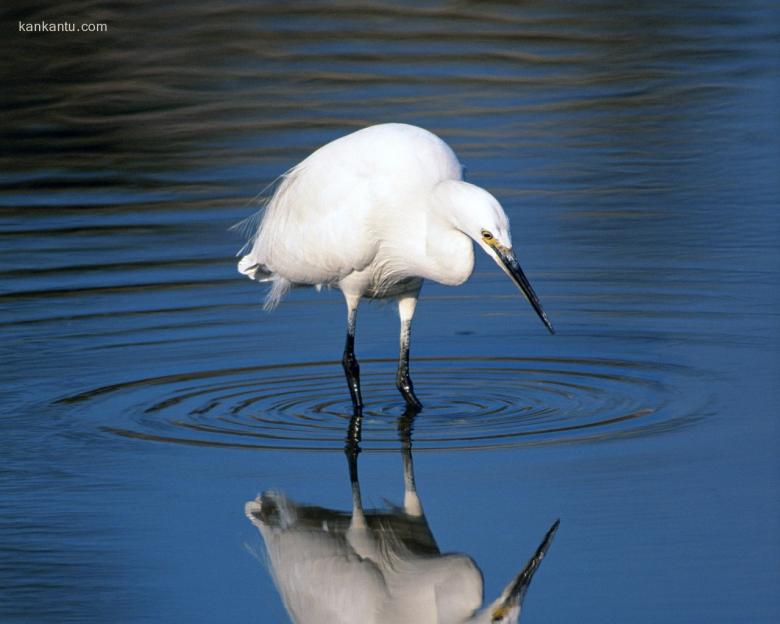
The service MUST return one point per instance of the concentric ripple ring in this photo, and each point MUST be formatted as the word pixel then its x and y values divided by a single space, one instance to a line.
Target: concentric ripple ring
pixel 470 403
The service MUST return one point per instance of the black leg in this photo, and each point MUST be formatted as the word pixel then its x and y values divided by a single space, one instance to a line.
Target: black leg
pixel 354 431
pixel 405 426
pixel 349 361
pixel 412 504
pixel 352 450
pixel 402 380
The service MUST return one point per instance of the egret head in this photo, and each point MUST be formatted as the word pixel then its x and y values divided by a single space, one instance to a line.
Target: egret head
pixel 477 214
pixel 507 607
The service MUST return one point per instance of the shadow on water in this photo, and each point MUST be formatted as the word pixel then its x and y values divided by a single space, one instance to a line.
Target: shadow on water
pixel 376 565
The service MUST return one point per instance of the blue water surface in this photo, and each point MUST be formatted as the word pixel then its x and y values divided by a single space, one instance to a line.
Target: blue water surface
pixel 146 397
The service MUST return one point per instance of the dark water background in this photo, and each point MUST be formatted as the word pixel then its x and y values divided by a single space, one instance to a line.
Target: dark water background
pixel 146 397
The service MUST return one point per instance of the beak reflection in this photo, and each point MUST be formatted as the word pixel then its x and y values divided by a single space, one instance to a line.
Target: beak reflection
pixel 515 592
pixel 376 565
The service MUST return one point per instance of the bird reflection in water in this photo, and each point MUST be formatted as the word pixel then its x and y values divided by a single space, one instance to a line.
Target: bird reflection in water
pixel 374 566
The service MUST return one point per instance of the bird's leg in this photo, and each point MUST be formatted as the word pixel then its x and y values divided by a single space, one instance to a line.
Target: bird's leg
pixel 352 445
pixel 359 535
pixel 354 431
pixel 403 381
pixel 349 361
pixel 405 426
pixel 412 504
pixel 357 532
pixel 352 450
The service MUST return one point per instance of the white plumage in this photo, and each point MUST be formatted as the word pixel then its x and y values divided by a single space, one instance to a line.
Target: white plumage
pixel 376 567
pixel 375 213
pixel 333 569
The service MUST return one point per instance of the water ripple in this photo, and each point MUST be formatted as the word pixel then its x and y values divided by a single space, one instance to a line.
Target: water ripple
pixel 472 403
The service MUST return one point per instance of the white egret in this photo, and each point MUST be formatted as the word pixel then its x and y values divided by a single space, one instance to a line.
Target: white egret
pixel 376 567
pixel 375 213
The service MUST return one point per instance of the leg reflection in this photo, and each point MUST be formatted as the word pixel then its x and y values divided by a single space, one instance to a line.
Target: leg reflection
pixel 412 504
pixel 380 565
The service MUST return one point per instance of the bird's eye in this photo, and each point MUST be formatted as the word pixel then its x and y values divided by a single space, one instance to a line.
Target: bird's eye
pixel 487 235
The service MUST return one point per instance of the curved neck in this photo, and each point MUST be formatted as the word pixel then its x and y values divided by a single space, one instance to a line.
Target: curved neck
pixel 450 203
pixel 448 249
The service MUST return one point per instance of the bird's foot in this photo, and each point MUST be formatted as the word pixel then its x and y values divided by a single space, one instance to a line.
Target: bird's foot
pixel 357 399
pixel 352 373
pixel 354 432
pixel 406 424
pixel 405 387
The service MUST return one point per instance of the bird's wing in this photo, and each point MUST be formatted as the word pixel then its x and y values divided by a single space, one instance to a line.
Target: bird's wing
pixel 458 590
pixel 318 574
pixel 329 215
pixel 316 227
pixel 337 590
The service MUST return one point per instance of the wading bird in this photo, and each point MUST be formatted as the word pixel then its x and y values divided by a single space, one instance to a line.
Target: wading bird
pixel 375 213
pixel 377 566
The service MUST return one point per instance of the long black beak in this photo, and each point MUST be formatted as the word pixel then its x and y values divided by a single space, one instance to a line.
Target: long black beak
pixel 519 586
pixel 511 267
pixel 516 590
